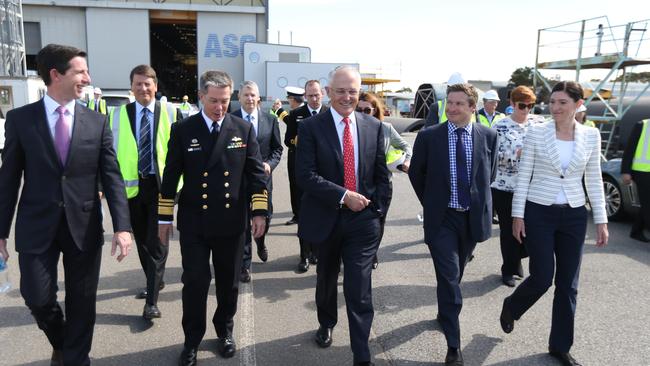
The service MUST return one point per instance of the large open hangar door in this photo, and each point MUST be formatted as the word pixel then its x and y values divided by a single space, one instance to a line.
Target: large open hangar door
pixel 173 53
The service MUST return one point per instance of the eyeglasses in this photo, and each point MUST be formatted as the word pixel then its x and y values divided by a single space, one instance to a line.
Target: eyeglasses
pixel 366 110
pixel 523 106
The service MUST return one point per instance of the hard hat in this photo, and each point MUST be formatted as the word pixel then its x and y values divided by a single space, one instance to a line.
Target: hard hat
pixel 456 78
pixel 294 91
pixel 97 91
pixel 509 110
pixel 582 108
pixel 491 95
pixel 395 158
pixel 185 97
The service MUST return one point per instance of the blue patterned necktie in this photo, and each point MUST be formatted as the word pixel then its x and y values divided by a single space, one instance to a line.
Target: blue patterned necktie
pixel 462 180
pixel 144 144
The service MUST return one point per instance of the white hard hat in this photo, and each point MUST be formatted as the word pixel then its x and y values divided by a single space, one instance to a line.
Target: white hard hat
pixel 491 95
pixel 97 91
pixel 582 108
pixel 456 78
pixel 395 158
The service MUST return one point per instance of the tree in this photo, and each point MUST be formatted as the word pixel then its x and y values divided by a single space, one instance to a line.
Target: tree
pixel 640 77
pixel 405 89
pixel 522 76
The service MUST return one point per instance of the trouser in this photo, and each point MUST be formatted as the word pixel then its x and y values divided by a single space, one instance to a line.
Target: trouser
pixel 354 240
pixel 450 250
pixel 642 220
pixel 73 334
pixel 554 239
pixel 294 189
pixel 143 209
pixel 226 261
pixel 511 250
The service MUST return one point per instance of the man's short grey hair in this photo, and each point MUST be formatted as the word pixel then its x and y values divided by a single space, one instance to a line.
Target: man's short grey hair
pixel 214 78
pixel 337 69
pixel 251 85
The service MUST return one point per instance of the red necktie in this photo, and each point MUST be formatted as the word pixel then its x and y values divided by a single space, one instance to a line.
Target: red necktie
pixel 349 177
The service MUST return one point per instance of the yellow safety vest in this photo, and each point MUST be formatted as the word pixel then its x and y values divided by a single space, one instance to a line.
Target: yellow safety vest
pixel 485 122
pixel 126 146
pixel 442 113
pixel 102 105
pixel 641 160
pixel 185 106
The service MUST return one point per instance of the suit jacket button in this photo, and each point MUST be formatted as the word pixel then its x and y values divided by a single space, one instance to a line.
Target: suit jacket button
pixel 205 174
pixel 205 207
pixel 561 177
pixel 227 195
pixel 204 196
pixel 226 184
pixel 227 205
pixel 204 185
pixel 61 204
pixel 226 173
pixel 63 177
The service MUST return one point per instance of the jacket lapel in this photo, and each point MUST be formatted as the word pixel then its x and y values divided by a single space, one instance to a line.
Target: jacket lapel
pixel 443 152
pixel 224 134
pixel 551 146
pixel 578 148
pixel 329 131
pixel 362 138
pixel 156 118
pixel 43 129
pixel 130 111
pixel 262 123
pixel 77 129
pixel 477 148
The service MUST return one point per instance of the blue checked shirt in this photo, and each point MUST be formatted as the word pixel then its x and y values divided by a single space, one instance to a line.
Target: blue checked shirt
pixel 467 143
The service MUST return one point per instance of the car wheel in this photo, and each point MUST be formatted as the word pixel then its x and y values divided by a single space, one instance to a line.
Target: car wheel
pixel 613 199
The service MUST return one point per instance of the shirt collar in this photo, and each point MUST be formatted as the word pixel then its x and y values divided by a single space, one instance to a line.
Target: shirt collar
pixel 51 105
pixel 452 128
pixel 208 121
pixel 151 107
pixel 311 111
pixel 339 119
pixel 253 114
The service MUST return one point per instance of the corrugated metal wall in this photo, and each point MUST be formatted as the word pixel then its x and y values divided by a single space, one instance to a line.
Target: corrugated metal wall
pixel 62 25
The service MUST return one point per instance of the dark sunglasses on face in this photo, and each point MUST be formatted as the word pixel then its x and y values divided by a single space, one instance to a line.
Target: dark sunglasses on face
pixel 523 106
pixel 366 110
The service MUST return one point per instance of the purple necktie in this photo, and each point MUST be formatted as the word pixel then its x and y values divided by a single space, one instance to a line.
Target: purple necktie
pixel 62 135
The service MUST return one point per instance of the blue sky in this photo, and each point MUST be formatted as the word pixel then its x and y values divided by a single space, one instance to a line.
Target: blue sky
pixel 425 41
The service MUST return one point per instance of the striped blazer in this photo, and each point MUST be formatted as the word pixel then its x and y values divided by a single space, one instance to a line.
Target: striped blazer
pixel 541 177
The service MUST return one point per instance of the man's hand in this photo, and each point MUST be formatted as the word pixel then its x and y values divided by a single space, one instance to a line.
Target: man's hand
pixel 165 231
pixel 121 239
pixel 100 194
pixel 518 229
pixel 267 169
pixel 258 226
pixel 405 166
pixel 602 235
pixel 627 178
pixel 355 201
pixel 3 249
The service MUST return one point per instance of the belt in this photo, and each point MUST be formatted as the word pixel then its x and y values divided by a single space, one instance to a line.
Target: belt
pixel 458 209
pixel 561 205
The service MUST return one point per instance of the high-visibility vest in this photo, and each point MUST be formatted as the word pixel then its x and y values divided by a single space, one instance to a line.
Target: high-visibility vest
pixel 102 105
pixel 485 122
pixel 185 106
pixel 126 147
pixel 641 160
pixel 442 114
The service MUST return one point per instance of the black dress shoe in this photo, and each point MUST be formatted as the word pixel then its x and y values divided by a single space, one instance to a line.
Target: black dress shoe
pixel 151 312
pixel 640 237
pixel 323 337
pixel 303 265
pixel 226 346
pixel 143 294
pixel 245 275
pixel 366 363
pixel 313 259
pixel 57 358
pixel 187 357
pixel 506 319
pixel 508 281
pixel 262 252
pixel 565 358
pixel 454 357
pixel 294 220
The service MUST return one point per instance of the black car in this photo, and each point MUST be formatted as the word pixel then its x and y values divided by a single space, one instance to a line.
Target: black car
pixel 621 200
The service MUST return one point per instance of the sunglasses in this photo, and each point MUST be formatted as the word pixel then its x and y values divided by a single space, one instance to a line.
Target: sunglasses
pixel 366 110
pixel 523 106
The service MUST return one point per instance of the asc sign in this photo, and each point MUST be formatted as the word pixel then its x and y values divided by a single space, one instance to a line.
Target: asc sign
pixel 231 45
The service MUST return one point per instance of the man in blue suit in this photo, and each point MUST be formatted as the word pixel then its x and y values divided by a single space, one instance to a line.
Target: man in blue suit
pixel 452 166
pixel 341 168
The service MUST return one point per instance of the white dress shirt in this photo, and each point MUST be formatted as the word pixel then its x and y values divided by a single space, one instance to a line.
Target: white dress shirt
pixel 52 115
pixel 208 121
pixel 311 111
pixel 254 119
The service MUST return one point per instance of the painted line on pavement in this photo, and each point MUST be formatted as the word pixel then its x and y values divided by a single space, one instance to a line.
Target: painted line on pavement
pixel 247 325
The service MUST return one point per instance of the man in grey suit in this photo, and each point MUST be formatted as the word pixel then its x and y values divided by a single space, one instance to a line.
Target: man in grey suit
pixel 60 150
pixel 452 166
pixel 267 133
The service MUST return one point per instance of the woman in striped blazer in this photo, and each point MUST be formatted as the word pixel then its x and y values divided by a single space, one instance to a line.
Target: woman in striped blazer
pixel 548 209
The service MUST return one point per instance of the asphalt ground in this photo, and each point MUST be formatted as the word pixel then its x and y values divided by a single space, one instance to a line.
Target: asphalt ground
pixel 276 319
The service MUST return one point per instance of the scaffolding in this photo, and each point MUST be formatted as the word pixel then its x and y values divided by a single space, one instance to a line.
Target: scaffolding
pixel 605 53
pixel 12 45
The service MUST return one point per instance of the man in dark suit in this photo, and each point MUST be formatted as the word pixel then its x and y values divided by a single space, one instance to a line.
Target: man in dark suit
pixel 267 132
pixel 314 106
pixel 60 150
pixel 224 187
pixel 341 168
pixel 635 167
pixel 452 166
pixel 142 130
